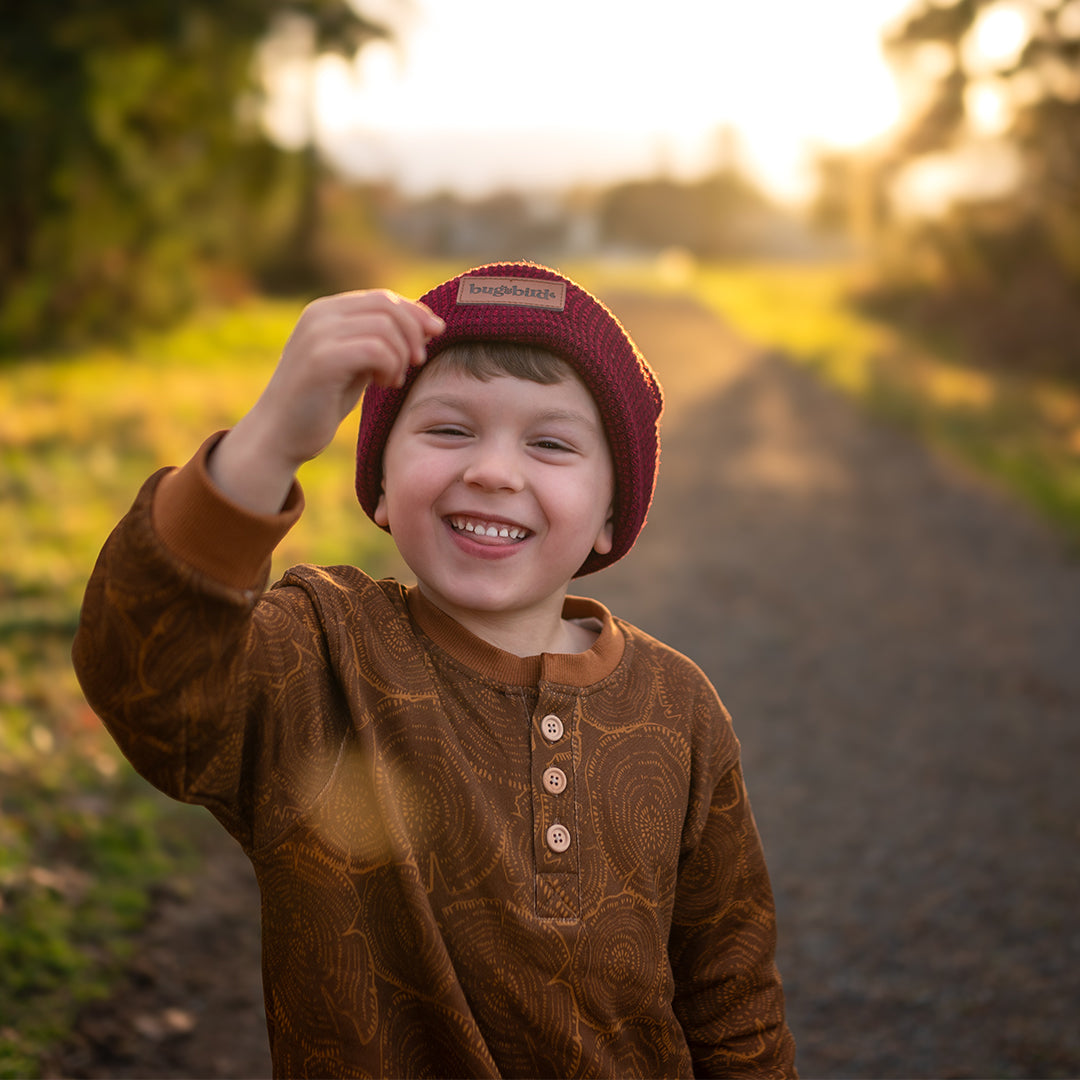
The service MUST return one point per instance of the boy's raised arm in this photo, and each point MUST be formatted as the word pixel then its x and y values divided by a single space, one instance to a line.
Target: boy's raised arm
pixel 166 631
pixel 339 345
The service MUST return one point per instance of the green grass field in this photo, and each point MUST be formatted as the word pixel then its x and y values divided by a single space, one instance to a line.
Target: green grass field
pixel 81 838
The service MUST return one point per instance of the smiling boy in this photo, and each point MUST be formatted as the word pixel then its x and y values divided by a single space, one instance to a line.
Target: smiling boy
pixel 497 831
pixel 495 499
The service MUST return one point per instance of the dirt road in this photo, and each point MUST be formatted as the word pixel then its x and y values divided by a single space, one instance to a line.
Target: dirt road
pixel 900 648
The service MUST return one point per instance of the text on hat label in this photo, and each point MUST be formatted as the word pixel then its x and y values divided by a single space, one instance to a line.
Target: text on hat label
pixel 528 292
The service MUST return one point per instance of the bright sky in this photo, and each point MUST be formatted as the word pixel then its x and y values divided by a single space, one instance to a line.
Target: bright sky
pixel 480 94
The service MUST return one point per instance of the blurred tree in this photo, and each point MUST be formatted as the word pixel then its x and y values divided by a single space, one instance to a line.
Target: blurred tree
pixel 998 73
pixel 1017 59
pixel 136 174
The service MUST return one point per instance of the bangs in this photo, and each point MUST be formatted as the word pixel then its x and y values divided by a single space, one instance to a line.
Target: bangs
pixel 485 360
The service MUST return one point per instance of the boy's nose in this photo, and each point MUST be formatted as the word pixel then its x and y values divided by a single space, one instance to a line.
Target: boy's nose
pixel 493 468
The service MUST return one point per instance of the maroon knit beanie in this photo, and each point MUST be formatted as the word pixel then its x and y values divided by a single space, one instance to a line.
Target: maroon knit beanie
pixel 529 304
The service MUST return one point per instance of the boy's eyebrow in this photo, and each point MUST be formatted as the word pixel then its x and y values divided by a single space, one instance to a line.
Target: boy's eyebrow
pixel 436 399
pixel 568 414
pixel 451 402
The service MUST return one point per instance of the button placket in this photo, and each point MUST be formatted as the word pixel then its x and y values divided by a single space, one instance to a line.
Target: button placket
pixel 558 888
pixel 555 810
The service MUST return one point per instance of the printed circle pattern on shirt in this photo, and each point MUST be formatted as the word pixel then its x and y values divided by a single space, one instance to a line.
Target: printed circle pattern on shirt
pixel 384 772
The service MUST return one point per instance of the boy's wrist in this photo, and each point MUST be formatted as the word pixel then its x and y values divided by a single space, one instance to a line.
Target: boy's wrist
pixel 248 469
pixel 206 529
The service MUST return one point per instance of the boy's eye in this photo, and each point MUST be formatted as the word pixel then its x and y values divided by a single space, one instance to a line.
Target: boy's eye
pixel 551 444
pixel 447 429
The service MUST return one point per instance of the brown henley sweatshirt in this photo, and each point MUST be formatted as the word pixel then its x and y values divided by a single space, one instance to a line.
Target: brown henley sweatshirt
pixel 471 864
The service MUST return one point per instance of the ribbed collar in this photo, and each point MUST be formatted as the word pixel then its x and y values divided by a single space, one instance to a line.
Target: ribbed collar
pixel 567 669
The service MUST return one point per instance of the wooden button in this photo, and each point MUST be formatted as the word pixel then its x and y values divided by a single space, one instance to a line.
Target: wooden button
pixel 558 838
pixel 554 781
pixel 551 727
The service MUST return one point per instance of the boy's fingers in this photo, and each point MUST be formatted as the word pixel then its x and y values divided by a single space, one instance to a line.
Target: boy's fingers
pixel 367 335
pixel 410 319
pixel 383 346
pixel 416 320
pixel 419 321
pixel 392 301
pixel 433 324
pixel 421 324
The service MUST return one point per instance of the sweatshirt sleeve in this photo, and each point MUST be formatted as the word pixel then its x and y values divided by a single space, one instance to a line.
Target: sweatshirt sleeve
pixel 173 635
pixel 210 534
pixel 728 993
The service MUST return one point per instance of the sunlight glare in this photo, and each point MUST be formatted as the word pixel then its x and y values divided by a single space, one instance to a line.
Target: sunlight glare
pixel 978 171
pixel 335 92
pixel 624 92
pixel 997 38
pixel 988 107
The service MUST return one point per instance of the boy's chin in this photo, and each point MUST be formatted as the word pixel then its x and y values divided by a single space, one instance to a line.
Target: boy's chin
pixel 489 599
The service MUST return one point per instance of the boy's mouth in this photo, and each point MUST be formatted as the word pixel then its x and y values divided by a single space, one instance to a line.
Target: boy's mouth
pixel 488 530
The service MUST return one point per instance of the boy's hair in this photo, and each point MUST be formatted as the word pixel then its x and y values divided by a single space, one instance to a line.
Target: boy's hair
pixel 484 360
pixel 530 305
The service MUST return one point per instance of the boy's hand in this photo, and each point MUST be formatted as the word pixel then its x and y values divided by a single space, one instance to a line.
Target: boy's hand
pixel 339 344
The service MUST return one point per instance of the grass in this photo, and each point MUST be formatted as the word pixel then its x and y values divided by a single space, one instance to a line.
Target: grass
pixel 1020 431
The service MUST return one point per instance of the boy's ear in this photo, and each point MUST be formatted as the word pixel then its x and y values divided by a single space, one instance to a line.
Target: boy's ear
pixel 380 516
pixel 605 538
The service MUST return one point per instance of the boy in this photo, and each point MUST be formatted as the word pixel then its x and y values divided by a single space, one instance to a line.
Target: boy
pixel 496 830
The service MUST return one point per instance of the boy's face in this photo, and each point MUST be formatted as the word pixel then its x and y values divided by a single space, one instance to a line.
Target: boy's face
pixel 495 491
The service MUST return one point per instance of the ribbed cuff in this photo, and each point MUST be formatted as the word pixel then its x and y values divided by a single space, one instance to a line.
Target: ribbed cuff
pixel 206 530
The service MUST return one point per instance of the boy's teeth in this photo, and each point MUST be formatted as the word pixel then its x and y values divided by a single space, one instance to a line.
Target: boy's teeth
pixel 504 531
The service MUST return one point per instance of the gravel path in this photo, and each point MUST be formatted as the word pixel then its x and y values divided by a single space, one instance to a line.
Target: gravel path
pixel 900 648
